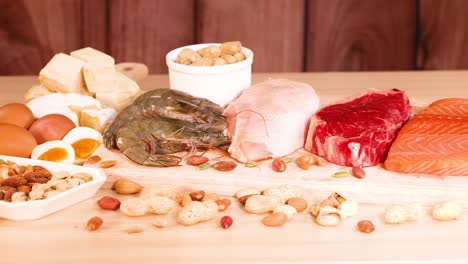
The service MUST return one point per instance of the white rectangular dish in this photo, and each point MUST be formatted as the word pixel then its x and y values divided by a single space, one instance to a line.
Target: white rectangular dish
pixel 30 210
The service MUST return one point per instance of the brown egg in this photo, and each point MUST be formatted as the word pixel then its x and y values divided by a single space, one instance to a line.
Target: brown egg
pixel 16 141
pixel 16 114
pixel 51 127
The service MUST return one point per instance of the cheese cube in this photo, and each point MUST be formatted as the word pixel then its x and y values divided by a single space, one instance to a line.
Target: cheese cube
pixel 93 57
pixel 63 74
pixel 112 88
pixel 97 119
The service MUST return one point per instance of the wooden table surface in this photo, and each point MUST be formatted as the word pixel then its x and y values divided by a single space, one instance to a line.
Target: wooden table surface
pixel 62 238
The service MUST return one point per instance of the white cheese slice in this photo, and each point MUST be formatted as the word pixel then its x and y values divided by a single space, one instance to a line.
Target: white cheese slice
pixel 63 74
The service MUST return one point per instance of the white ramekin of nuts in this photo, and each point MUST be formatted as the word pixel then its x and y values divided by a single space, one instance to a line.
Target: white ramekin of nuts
pixel 217 72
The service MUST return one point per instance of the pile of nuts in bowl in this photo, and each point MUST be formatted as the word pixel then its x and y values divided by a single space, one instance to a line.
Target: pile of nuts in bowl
pixel 213 55
pixel 19 183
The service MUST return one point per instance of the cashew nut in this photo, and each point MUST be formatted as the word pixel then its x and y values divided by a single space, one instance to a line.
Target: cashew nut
pixel 18 197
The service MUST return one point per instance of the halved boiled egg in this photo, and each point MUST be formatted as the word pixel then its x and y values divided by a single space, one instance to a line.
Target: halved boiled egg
pixel 55 150
pixel 84 141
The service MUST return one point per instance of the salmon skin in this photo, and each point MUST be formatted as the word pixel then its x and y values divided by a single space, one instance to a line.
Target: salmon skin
pixel 435 141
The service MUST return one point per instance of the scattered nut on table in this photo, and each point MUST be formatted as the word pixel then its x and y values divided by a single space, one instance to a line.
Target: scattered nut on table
pixel 447 211
pixel 398 214
pixel 259 204
pixel 196 212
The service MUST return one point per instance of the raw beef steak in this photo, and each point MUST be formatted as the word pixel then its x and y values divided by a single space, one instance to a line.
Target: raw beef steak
pixel 358 131
pixel 270 119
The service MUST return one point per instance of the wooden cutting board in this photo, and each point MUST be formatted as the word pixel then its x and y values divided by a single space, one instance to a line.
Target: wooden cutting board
pixel 378 187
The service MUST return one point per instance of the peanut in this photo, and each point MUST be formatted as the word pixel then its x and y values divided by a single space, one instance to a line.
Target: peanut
pixel 159 190
pixel 183 198
pixel 203 62
pixel 229 58
pixel 224 166
pixel 196 160
pixel 197 195
pixel 107 164
pixel 225 222
pixel 239 56
pixel 306 160
pixel 259 204
pixel 219 61
pixel 231 47
pixel 161 205
pixel 124 186
pixel 211 196
pixel 285 192
pixel 299 203
pixel 223 204
pixel 358 172
pixel 365 226
pixel 212 51
pixel 288 210
pixel 134 230
pixel 278 165
pixel 160 221
pixel 196 212
pixel 187 56
pixel 244 198
pixel 134 207
pixel 94 223
pixel 246 191
pixel 275 219
pixel 93 159
pixel 109 203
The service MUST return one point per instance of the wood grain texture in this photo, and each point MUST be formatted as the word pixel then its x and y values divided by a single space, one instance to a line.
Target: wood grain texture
pixel 94 24
pixel 353 35
pixel 33 31
pixel 443 37
pixel 273 30
pixel 144 31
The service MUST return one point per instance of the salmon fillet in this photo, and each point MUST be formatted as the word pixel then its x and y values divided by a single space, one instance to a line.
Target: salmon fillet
pixel 435 141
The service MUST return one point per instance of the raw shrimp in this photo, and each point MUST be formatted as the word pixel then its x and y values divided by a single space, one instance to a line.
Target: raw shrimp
pixel 169 104
pixel 149 140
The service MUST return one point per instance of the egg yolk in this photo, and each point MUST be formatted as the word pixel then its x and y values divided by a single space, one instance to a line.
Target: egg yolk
pixel 54 154
pixel 85 147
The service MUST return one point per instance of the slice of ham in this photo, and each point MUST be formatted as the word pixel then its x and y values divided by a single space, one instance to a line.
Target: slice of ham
pixel 270 119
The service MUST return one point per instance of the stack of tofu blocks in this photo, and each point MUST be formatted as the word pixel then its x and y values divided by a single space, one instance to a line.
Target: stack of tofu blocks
pixel 87 82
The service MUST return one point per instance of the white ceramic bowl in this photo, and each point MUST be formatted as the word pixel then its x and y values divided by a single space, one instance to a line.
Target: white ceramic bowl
pixel 220 84
pixel 29 210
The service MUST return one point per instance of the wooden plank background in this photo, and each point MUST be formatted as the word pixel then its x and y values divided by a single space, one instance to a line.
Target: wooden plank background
pixel 286 35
